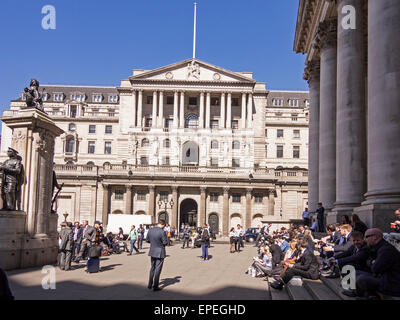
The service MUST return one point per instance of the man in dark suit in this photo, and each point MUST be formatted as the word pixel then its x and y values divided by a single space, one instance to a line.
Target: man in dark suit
pixel 306 266
pixel 158 240
pixel 89 236
pixel 78 236
pixel 320 217
pixel 66 247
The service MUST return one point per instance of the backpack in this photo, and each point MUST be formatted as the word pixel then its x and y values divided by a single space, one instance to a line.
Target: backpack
pixel 205 235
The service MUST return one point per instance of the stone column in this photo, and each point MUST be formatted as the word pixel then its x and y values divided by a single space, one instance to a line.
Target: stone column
pixel 152 212
pixel 247 223
pixel 326 42
pixel 161 110
pixel 312 74
pixel 383 127
pixel 154 116
pixel 225 212
pixel 182 111
pixel 139 122
pixel 176 102
pixel 250 111
pixel 106 203
pixel 134 108
pixel 203 201
pixel 128 200
pixel 201 117
pixel 271 203
pixel 175 216
pixel 351 115
pixel 208 106
pixel 243 121
pixel 229 111
pixel 222 116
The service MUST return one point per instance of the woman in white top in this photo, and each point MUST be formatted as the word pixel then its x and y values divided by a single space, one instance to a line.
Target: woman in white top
pixel 232 239
pixel 263 264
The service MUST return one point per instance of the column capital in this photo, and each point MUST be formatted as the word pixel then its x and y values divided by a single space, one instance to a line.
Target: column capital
pixel 203 189
pixel 312 70
pixel 106 185
pixel 226 189
pixel 249 190
pixel 140 90
pixel 128 187
pixel 152 187
pixel 326 35
pixel 174 188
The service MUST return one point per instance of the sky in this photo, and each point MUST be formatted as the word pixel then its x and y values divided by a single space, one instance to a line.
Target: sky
pixel 100 42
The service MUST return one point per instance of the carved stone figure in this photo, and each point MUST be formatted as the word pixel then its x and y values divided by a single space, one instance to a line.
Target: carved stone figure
pixel 33 97
pixel 12 180
pixel 193 70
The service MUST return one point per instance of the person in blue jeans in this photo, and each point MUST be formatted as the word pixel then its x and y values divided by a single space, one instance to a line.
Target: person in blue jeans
pixel 205 243
pixel 133 235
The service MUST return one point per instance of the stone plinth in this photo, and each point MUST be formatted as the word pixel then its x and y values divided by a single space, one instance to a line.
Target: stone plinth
pixel 34 229
pixel 378 215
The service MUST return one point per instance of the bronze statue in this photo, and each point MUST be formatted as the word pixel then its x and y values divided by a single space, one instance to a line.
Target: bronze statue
pixel 33 96
pixel 11 181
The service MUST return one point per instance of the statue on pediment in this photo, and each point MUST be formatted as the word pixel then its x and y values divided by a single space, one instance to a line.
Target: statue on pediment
pixel 193 70
pixel 33 96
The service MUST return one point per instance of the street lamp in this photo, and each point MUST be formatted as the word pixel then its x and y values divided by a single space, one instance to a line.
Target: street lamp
pixel 65 216
pixel 165 204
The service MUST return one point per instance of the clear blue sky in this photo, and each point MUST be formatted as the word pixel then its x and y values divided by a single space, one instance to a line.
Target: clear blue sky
pixel 99 42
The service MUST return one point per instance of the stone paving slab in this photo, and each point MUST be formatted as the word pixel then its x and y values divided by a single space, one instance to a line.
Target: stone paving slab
pixel 184 276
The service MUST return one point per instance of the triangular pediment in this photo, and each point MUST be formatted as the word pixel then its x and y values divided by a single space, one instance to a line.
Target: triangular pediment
pixel 192 70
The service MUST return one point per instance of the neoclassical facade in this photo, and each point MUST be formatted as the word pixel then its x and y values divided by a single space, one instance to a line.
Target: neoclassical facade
pixel 353 71
pixel 216 142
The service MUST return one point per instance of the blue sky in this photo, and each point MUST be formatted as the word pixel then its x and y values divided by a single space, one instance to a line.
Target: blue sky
pixel 99 42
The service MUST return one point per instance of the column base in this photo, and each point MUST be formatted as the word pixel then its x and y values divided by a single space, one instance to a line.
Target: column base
pixel 377 215
pixel 340 210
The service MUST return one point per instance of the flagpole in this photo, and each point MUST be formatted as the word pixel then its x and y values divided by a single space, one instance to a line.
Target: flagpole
pixel 194 31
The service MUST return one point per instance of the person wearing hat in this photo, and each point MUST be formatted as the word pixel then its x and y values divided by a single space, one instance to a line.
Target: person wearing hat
pixel 11 181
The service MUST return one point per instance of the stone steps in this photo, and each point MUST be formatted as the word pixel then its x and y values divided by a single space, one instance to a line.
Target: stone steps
pixel 277 294
pixel 336 287
pixel 319 291
pixel 298 292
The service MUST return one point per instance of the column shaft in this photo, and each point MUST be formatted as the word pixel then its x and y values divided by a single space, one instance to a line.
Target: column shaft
pixel 250 111
pixel 139 122
pixel 134 108
pixel 152 202
pixel 128 200
pixel 222 113
pixel 175 217
pixel 225 213
pixel 203 199
pixel 229 111
pixel 182 111
pixel 176 102
pixel 161 110
pixel 201 120
pixel 271 203
pixel 154 116
pixel 243 121
pixel 208 106
pixel 247 223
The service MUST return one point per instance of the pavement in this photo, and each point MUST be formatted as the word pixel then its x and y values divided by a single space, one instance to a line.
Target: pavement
pixel 184 277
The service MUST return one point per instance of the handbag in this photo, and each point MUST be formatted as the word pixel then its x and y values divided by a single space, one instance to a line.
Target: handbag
pixel 95 251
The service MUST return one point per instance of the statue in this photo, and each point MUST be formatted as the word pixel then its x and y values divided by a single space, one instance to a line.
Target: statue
pixel 59 188
pixel 33 97
pixel 193 70
pixel 12 180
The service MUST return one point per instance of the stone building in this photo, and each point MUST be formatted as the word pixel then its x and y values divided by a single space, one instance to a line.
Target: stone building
pixel 191 132
pixel 353 70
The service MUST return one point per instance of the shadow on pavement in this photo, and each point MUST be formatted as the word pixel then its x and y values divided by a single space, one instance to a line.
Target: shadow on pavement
pixel 169 281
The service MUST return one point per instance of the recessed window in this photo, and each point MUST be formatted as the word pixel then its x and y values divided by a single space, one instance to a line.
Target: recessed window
pixel 235 162
pixel 236 197
pixel 296 152
pixel 70 145
pixel 214 197
pixel 169 123
pixel 97 98
pixel 149 99
pixel 296 134
pixel 78 97
pixel 266 133
pixel 45 96
pixel 107 147
pixel 72 127
pixel 145 142
pixel 293 102
pixel 92 128
pixel 164 195
pixel 266 151
pixel 279 151
pixel 279 133
pixel 236 145
pixel 111 112
pixel 294 116
pixel 91 147
pixel 141 195
pixel 148 122
pixel 166 143
pixel 165 161
pixel 113 99
pixel 119 194
pixel 215 101
pixel 235 124
pixel 192 121
pixel 193 101
pixel 58 97
pixel 144 160
pixel 214 124
pixel 235 102
pixel 277 102
pixel 170 100
pixel 73 111
pixel 108 129
pixel 258 198
pixel 214 144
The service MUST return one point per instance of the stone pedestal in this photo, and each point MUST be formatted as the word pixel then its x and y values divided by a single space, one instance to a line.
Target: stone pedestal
pixel 29 237
pixel 378 215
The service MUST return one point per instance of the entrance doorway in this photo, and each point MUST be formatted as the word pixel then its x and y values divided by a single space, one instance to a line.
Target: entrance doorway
pixel 188 212
pixel 214 223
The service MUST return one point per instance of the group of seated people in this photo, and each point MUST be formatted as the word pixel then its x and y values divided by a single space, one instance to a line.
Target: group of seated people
pixel 294 252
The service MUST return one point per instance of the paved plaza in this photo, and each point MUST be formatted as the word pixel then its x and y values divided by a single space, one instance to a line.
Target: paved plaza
pixel 184 276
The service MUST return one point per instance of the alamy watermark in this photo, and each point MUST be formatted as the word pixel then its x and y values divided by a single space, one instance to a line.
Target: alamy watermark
pixel 49 20
pixel 49 280
pixel 349 280
pixel 349 18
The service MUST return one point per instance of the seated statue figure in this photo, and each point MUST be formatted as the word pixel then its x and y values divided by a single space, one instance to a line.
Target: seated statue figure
pixel 33 96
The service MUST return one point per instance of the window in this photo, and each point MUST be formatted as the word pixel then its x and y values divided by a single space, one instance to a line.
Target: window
pixel 266 133
pixel 236 145
pixel 164 195
pixel 165 161
pixel 111 112
pixel 119 194
pixel 107 147
pixel 145 142
pixel 214 124
pixel 214 144
pixel 193 101
pixel 192 121
pixel 277 102
pixel 296 152
pixel 73 111
pixel 148 122
pixel 97 98
pixel 70 145
pixel 293 102
pixel 235 163
pixel 166 143
pixel 58 97
pixel 215 101
pixel 113 99
pixel 214 197
pixel 169 123
pixel 72 127
pixel 258 198
pixel 45 96
pixel 141 195
pixel 91 147
pixel 78 97
pixel 149 99
pixel 108 129
pixel 294 116
pixel 144 160
pixel 170 100
pixel 279 151
pixel 307 103
pixel 296 134
pixel 214 162
pixel 235 102
pixel 92 128
pixel 236 197
pixel 235 124
pixel 279 133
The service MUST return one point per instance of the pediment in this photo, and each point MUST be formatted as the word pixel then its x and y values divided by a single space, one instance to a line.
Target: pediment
pixel 192 70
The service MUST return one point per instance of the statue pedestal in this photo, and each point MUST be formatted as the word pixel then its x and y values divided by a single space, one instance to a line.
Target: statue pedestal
pixel 29 237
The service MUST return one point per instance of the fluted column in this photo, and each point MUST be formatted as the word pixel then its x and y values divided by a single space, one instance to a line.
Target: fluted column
pixel 176 102
pixel 152 212
pixel 222 117
pixel 247 223
pixel 208 106
pixel 250 111
pixel 201 120
pixel 203 199
pixel 351 117
pixel 243 121
pixel 326 42
pixel 154 116
pixel 312 75
pixel 161 110
pixel 128 200
pixel 139 122
pixel 229 111
pixel 175 216
pixel 134 108
pixel 225 212
pixel 182 111
pixel 271 203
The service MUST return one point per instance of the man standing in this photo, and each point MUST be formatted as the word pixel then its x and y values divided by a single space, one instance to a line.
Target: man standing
pixel 67 245
pixel 186 236
pixel 140 236
pixel 158 240
pixel 320 217
pixel 133 234
pixel 78 235
pixel 306 217
pixel 89 236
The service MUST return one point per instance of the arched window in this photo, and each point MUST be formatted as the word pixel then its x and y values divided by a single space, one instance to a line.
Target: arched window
pixel 214 144
pixel 236 145
pixel 107 165
pixel 145 142
pixel 70 145
pixel 192 121
pixel 166 143
pixel 90 164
